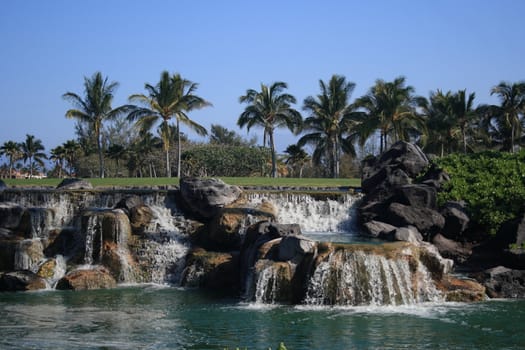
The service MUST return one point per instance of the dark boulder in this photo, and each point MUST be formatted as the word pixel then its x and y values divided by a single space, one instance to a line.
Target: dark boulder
pixel 405 156
pixel 205 197
pixel 21 281
pixel 451 249
pixel 85 279
pixel 140 215
pixel 128 202
pixel 10 215
pixel 386 177
pixel 456 219
pixel 2 184
pixel 511 232
pixel 74 184
pixel 419 196
pixel 379 229
pixel 435 177
pixel 408 234
pixel 502 282
pixel 213 270
pixel 427 221
pixel 514 258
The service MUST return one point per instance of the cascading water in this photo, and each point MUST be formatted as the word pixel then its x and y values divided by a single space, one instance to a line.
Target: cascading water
pixel 362 278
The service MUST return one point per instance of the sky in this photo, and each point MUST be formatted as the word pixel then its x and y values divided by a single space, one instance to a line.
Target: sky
pixel 227 47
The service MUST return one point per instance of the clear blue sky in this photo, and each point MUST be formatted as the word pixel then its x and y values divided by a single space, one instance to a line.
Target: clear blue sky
pixel 47 47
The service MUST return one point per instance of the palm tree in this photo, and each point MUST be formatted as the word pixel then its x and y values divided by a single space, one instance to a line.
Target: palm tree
pixel 329 121
pixel 32 150
pixel 270 108
pixel 58 154
pixel 117 152
pixel 390 108
pixel 11 149
pixel 512 99
pixel 297 157
pixel 72 149
pixel 172 97
pixel 95 108
pixel 437 136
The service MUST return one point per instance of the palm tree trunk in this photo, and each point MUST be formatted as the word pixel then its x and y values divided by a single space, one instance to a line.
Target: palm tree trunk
pixel 274 161
pixel 335 172
pixel 178 149
pixel 100 156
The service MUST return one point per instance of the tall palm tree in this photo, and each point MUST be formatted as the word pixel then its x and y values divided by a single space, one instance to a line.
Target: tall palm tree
pixel 390 108
pixel 95 108
pixel 58 155
pixel 172 97
pixel 270 108
pixel 117 152
pixel 32 150
pixel 297 157
pixel 11 150
pixel 330 115
pixel 511 109
pixel 461 111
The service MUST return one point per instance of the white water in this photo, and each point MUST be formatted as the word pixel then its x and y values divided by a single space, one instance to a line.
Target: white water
pixel 313 215
pixel 359 278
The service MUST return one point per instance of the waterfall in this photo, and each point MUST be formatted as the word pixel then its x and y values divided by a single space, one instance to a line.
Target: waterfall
pixel 363 278
pixel 28 253
pixel 92 232
pixel 313 213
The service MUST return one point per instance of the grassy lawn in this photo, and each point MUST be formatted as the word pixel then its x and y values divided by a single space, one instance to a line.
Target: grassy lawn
pixel 163 181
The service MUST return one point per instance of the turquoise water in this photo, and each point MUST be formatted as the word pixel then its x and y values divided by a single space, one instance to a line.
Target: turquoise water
pixel 154 317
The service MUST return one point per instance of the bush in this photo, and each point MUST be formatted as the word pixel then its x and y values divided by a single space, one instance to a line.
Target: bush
pixel 491 183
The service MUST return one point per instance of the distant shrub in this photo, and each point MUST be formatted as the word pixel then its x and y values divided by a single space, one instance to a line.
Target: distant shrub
pixel 491 183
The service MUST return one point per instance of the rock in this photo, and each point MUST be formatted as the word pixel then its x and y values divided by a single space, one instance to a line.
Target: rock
pixel 378 228
pixel 462 290
pixel 514 258
pixel 435 263
pixel 85 279
pixel 502 282
pixel 2 185
pixel 140 217
pixel 205 269
pixel 419 196
pixel 408 234
pixel 372 211
pixel 274 282
pixel 511 232
pixel 10 215
pixel 128 202
pixel 294 248
pixel 456 219
pixel 226 230
pixel 29 253
pixel 112 224
pixel 204 197
pixel 21 281
pixel 386 178
pixel 451 249
pixel 8 249
pixel 435 177
pixel 74 184
pixel 427 221
pixel 405 156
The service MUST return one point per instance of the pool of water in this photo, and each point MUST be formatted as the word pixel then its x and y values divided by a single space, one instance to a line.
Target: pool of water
pixel 159 317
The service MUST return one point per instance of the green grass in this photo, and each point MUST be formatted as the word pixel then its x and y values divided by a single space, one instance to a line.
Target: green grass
pixel 164 181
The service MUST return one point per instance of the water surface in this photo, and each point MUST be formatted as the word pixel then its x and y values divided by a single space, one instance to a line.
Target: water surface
pixel 155 317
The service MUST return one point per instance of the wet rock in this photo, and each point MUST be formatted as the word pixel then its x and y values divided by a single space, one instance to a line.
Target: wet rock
pixel 502 282
pixel 21 281
pixel 462 290
pixel 274 282
pixel 29 253
pixel 408 234
pixel 10 215
pixel 85 279
pixel 205 269
pixel 294 248
pixel 379 229
pixel 74 184
pixel 8 249
pixel 204 197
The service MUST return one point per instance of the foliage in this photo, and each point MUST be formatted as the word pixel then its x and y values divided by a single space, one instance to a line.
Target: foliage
pixel 225 160
pixel 491 183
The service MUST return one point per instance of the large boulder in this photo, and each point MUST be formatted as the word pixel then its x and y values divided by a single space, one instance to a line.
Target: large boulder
pixel 2 185
pixel 420 196
pixel 405 156
pixel 435 177
pixel 379 229
pixel 212 270
pixel 205 197
pixel 74 184
pixel 452 249
pixel 427 221
pixel 502 282
pixel 85 279
pixel 462 290
pixel 140 215
pixel 21 281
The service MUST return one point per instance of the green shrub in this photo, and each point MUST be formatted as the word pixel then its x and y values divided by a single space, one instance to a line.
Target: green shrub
pixel 491 183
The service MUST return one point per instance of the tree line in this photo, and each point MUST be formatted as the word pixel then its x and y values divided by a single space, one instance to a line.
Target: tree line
pixel 144 135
